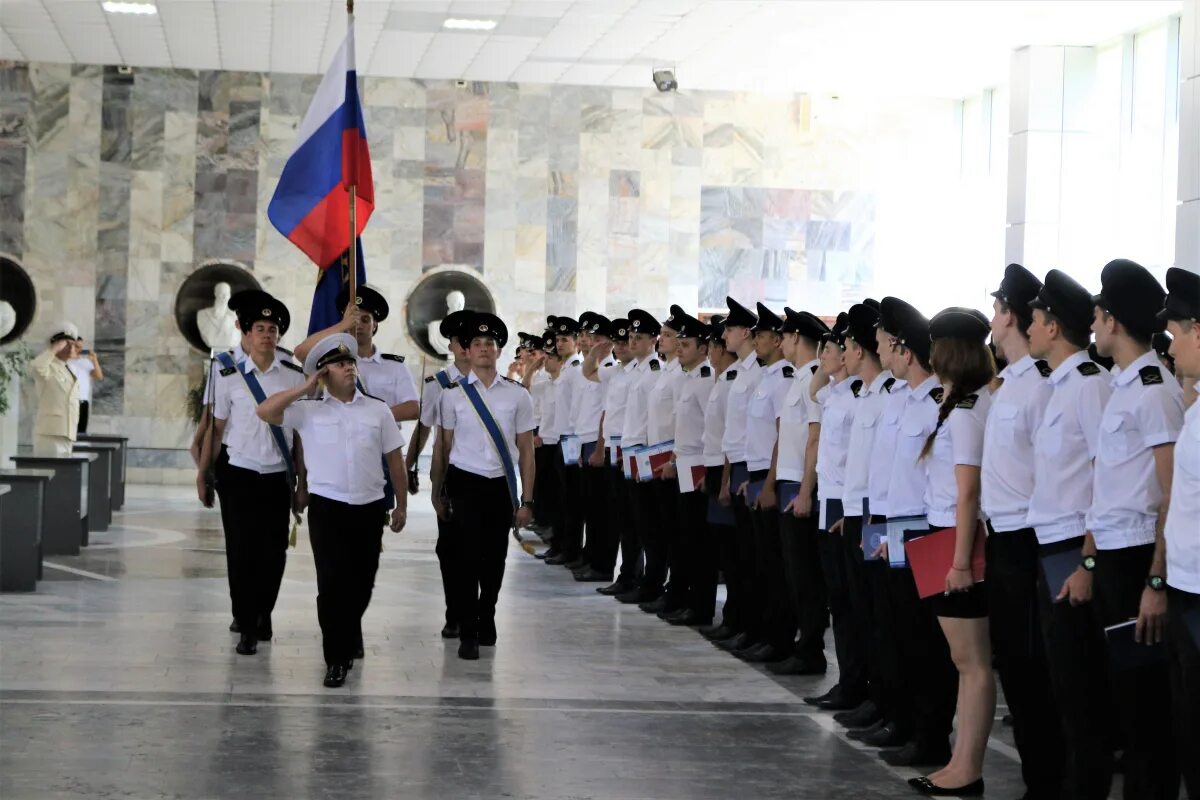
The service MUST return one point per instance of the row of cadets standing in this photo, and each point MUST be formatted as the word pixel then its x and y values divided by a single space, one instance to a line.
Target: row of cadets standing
pixel 483 476
pixel 567 543
pixel 595 562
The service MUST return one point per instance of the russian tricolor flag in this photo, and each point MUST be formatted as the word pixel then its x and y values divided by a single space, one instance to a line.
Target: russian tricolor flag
pixel 311 205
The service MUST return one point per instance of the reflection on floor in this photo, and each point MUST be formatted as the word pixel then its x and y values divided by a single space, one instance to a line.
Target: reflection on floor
pixel 118 679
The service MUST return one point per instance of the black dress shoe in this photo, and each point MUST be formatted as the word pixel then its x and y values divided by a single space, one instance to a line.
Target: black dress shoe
pixel 614 588
pixel 544 554
pixel 560 559
pixel 468 649
pixel 265 631
pixel 233 627
pixel 335 676
pixel 840 701
pixel 655 606
pixel 247 645
pixel 487 640
pixel 931 789
pixel 766 655
pixel 916 755
pixel 633 596
pixel 858 734
pixel 886 736
pixel 739 642
pixel 864 714
pixel 715 632
pixel 688 617
pixel 590 575
pixel 450 630
pixel 753 647
pixel 813 700
pixel 575 564
pixel 359 654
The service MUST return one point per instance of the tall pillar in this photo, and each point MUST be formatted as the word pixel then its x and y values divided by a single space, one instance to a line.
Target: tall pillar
pixel 1187 213
pixel 1050 142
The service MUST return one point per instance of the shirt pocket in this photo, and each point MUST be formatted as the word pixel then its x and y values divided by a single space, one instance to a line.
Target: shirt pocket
pixel 1007 419
pixel 833 425
pixel 867 418
pixel 1049 437
pixel 1187 453
pixel 325 432
pixel 760 405
pixel 364 436
pixel 1119 438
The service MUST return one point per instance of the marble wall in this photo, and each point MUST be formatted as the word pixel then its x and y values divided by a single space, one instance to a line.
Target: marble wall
pixel 117 185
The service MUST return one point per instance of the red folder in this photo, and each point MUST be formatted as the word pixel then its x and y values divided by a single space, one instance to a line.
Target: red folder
pixel 932 555
pixel 660 460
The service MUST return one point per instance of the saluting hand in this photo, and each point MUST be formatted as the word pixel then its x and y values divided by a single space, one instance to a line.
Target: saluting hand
pixel 1152 617
pixel 600 351
pixel 399 517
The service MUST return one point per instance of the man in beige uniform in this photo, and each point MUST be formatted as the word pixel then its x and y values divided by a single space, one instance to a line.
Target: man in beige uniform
pixel 57 418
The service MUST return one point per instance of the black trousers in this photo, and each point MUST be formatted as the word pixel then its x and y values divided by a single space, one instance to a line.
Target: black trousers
pixel 631 532
pixel 226 516
pixel 709 561
pixel 805 582
pixel 594 490
pixel 926 670
pixel 605 540
pixel 693 560
pixel 568 538
pixel 546 495
pixel 255 509
pixel 447 563
pixel 669 527
pixel 649 496
pixel 1079 674
pixel 1143 695
pixel 480 520
pixel 84 408
pixel 750 619
pixel 345 542
pixel 1020 658
pixel 1183 649
pixel 852 666
pixel 771 594
pixel 733 613
pixel 861 616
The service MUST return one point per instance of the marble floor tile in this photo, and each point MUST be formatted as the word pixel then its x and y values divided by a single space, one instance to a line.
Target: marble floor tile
pixel 118 679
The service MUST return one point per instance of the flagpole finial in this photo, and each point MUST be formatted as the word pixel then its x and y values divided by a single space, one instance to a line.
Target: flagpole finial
pixel 349 6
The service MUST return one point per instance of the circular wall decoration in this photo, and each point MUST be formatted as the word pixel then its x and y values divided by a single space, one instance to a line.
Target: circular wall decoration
pixel 19 297
pixel 201 303
pixel 437 294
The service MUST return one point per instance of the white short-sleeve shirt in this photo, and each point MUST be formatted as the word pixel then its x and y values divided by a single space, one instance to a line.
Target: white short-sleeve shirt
pixel 1144 411
pixel 660 403
pixel 249 440
pixel 747 373
pixel 82 368
pixel 714 417
pixel 795 415
pixel 837 416
pixel 868 412
pixel 387 377
pixel 883 452
pixel 1063 448
pixel 473 449
pixel 1007 474
pixel 695 387
pixel 566 395
pixel 644 375
pixel 906 490
pixel 1182 532
pixel 589 405
pixel 958 442
pixel 615 378
pixel 343 444
pixel 431 396
pixel 762 412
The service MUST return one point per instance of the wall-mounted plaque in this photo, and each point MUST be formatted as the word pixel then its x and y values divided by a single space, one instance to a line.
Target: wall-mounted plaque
pixel 18 300
pixel 201 305
pixel 437 294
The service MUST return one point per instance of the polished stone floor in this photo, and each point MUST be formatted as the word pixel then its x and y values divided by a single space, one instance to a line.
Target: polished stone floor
pixel 118 680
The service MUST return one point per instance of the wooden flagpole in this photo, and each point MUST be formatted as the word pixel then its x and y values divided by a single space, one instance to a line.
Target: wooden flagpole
pixel 353 190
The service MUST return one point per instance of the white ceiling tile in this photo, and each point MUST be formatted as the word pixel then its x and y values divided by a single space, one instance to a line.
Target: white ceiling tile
pixel 8 48
pixel 398 53
pixel 23 13
pixel 40 45
pixel 439 6
pixel 91 44
pixel 498 58
pixel 539 8
pixel 540 71
pixel 481 9
pixel 636 76
pixel 589 74
pixel 449 55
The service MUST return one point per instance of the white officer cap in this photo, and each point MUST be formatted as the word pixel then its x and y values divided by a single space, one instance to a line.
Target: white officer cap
pixel 64 330
pixel 333 348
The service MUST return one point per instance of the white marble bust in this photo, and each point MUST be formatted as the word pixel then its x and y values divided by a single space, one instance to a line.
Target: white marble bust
pixel 217 323
pixel 8 318
pixel 455 301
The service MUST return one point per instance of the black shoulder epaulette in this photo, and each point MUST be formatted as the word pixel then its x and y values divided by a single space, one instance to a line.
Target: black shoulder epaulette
pixel 1043 368
pixel 654 365
pixel 888 384
pixel 706 372
pixel 227 371
pixel 732 374
pixel 392 357
pixel 856 387
pixel 1089 368
pixel 285 350
pixel 430 378
pixel 789 372
pixel 453 385
pixel 1151 375
pixel 937 393
pixel 968 401
pixel 292 365
pixel 761 362
pixel 813 368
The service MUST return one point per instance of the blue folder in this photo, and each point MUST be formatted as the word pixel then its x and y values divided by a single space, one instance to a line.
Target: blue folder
pixel 873 535
pixel 1056 568
pixel 753 490
pixel 719 514
pixel 1127 653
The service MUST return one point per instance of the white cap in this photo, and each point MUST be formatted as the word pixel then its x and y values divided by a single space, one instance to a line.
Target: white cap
pixel 65 330
pixel 334 344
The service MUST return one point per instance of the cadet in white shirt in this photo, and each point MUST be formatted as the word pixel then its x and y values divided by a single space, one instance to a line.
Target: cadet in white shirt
pixel 794 466
pixel 86 368
pixel 1064 447
pixel 691 594
pixel 739 569
pixel 344 433
pixel 1012 546
pixel 475 475
pixel 567 544
pixel 594 483
pixel 923 657
pixel 254 484
pixel 428 420
pixel 614 375
pixel 952 456
pixel 1181 311
pixel 547 453
pixel 645 371
pixel 1131 489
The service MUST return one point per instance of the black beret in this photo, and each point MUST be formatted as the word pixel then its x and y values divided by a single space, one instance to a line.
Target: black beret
pixel 529 341
pixel 688 327
pixel 913 331
pixel 673 320
pixel 549 345
pixel 251 305
pixel 1017 288
pixel 1063 297
pixel 367 299
pixel 1131 294
pixel 1183 296
pixel 739 315
pixel 716 327
pixel 959 323
pixel 620 330
pixel 807 325
pixel 862 321
pixel 890 312
pixel 643 322
pixel 597 324
pixel 563 326
pixel 450 324
pixel 837 334
pixel 481 323
pixel 768 320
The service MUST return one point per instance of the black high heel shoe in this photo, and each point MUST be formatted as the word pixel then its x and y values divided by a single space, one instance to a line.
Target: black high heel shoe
pixel 931 789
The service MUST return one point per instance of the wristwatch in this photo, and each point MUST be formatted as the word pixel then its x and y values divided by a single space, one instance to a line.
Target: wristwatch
pixel 526 504
pixel 1089 563
pixel 1156 582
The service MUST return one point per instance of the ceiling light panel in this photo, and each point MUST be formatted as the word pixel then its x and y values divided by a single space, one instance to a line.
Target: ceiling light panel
pixel 134 9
